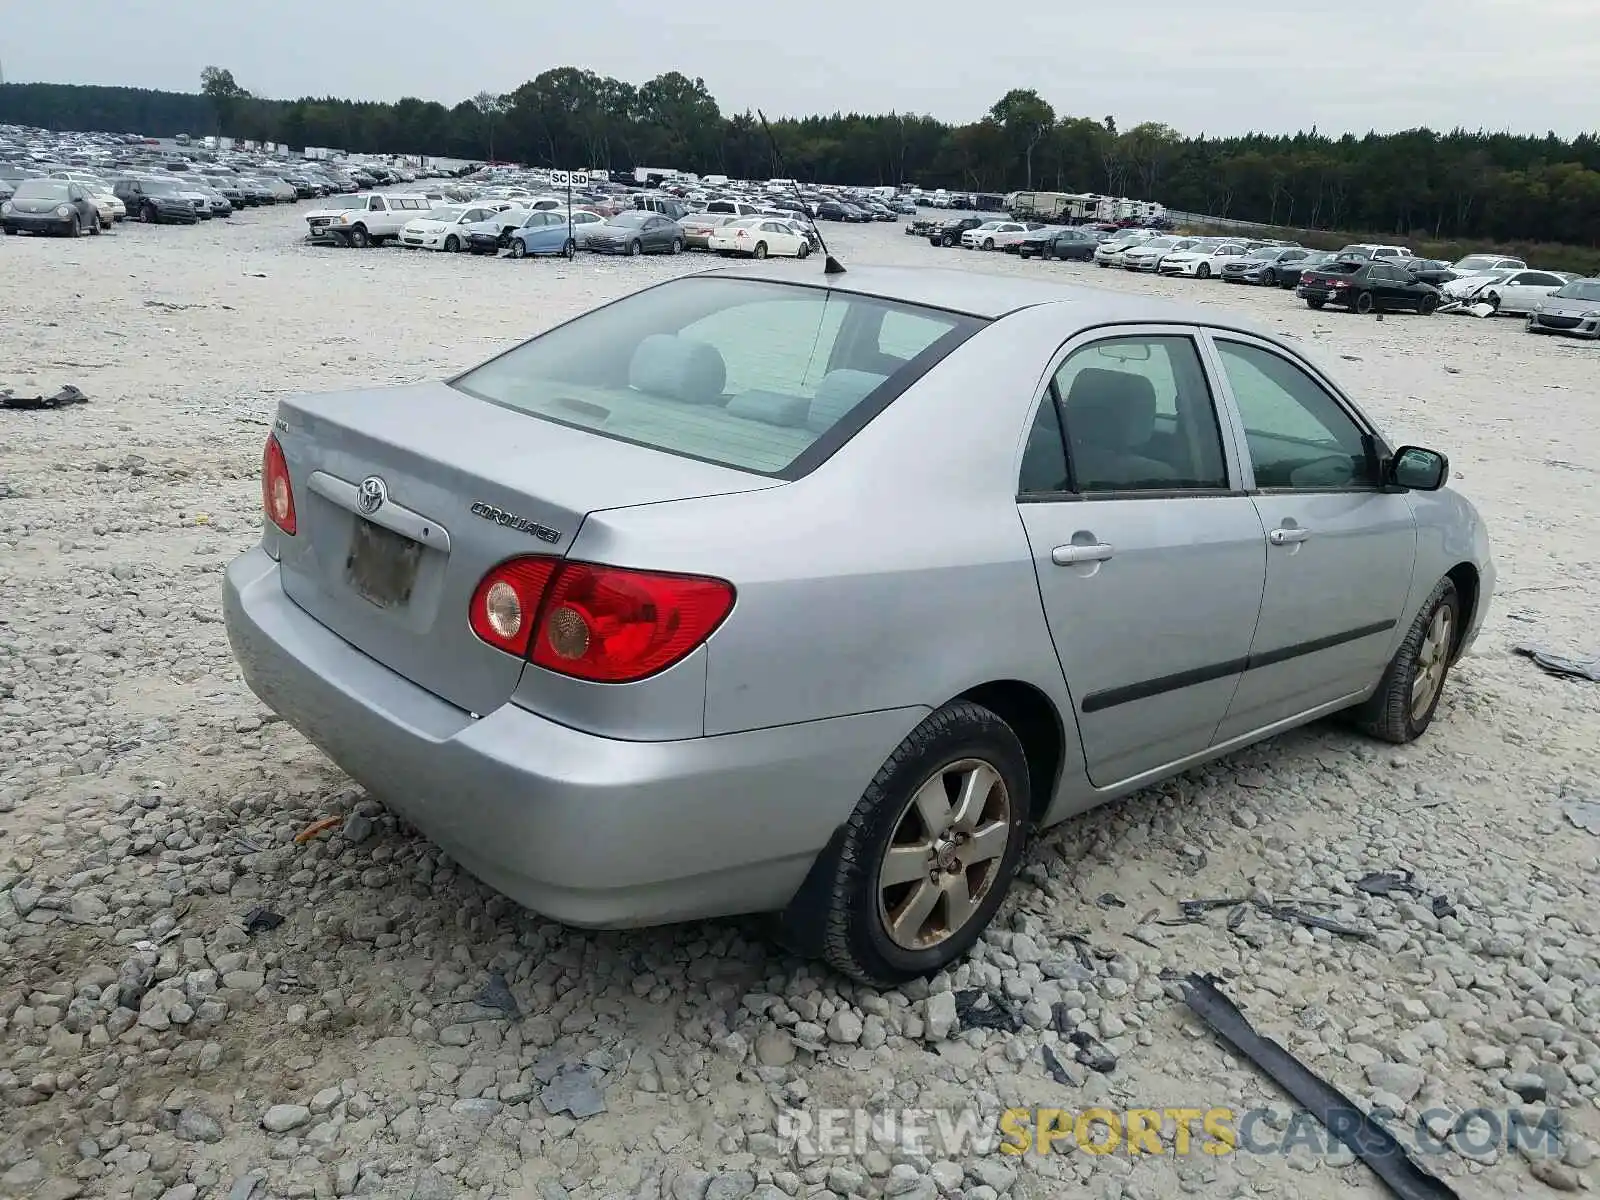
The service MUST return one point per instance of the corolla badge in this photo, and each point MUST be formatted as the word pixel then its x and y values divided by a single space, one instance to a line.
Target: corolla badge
pixel 371 495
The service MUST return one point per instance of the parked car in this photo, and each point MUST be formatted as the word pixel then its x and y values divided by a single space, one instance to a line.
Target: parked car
pixel 154 201
pixel 760 237
pixel 1473 263
pixel 490 235
pixel 1574 309
pixel 637 233
pixel 949 233
pixel 57 206
pixel 1430 270
pixel 996 235
pixel 1067 244
pixel 1289 272
pixel 1371 250
pixel 443 227
pixel 606 699
pixel 540 233
pixel 697 229
pixel 1206 259
pixel 1366 285
pixel 1515 292
pixel 1109 253
pixel 1147 255
pixel 1261 265
pixel 364 219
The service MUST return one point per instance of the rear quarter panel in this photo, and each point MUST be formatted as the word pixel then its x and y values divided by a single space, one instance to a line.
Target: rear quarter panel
pixel 897 574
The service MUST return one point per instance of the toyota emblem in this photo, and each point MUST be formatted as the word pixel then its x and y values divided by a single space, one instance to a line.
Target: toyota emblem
pixel 371 495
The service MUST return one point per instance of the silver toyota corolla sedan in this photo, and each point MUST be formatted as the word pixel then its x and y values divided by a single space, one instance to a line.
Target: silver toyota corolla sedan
pixel 815 594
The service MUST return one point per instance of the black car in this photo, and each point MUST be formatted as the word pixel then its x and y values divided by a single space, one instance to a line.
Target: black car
pixel 948 233
pixel 1071 244
pixel 1289 273
pixel 50 206
pixel 155 201
pixel 1430 270
pixel 1365 286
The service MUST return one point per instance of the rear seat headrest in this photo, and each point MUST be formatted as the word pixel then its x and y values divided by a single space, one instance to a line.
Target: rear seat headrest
pixel 678 368
pixel 837 394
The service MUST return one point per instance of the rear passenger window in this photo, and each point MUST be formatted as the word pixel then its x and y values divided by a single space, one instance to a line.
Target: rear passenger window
pixel 1139 416
pixel 905 335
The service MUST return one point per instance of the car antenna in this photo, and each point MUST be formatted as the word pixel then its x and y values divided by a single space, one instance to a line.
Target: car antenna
pixel 830 264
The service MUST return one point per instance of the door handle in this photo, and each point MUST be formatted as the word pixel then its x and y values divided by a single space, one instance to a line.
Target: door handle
pixel 1288 536
pixel 1065 556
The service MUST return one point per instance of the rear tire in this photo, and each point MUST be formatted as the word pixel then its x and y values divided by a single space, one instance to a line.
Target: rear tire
pixel 760 251
pixel 1315 302
pixel 1363 303
pixel 961 746
pixel 1408 695
pixel 570 250
pixel 804 251
pixel 677 245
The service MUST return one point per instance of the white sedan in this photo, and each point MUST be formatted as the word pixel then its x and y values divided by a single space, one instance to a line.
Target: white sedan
pixel 1148 256
pixel 758 237
pixel 444 228
pixel 1200 262
pixel 1109 253
pixel 993 235
pixel 1514 291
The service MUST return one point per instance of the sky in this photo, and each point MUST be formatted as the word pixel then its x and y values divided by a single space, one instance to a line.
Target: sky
pixel 1217 67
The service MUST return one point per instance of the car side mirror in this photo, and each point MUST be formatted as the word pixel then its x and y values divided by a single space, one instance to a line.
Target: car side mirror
pixel 1418 469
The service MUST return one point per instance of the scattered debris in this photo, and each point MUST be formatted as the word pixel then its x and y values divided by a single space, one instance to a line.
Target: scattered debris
pixel 977 1009
pixel 1312 921
pixel 1092 1052
pixel 68 394
pixel 1560 664
pixel 496 993
pixel 1058 1070
pixel 1110 900
pixel 1383 883
pixel 576 1091
pixel 1365 1137
pixel 260 920
pixel 1585 814
pixel 316 827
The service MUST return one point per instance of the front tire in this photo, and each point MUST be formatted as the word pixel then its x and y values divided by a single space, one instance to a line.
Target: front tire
pixel 1402 708
pixel 359 238
pixel 519 248
pixel 988 243
pixel 1427 305
pixel 76 228
pixel 926 857
pixel 635 248
pixel 1203 271
pixel 1269 278
pixel 948 240
pixel 452 244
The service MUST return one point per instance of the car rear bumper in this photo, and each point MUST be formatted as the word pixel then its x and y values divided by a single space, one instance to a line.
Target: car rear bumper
pixel 587 830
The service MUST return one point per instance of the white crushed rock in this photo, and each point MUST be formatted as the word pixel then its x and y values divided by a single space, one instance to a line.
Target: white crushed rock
pixel 149 1047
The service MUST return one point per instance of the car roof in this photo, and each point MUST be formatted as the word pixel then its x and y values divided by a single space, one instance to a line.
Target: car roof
pixel 989 296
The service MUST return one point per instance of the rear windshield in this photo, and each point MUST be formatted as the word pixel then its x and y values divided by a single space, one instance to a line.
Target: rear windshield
pixel 762 377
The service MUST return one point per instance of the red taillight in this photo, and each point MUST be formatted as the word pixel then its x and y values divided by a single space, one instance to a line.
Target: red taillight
pixel 604 624
pixel 506 603
pixel 277 495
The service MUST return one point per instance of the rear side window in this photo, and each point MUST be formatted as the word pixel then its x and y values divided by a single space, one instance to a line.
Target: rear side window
pixel 763 377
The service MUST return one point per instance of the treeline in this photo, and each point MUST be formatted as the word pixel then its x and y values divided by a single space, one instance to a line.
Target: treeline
pixel 1418 183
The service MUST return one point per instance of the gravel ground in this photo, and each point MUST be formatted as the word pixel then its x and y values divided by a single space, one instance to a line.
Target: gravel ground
pixel 405 1032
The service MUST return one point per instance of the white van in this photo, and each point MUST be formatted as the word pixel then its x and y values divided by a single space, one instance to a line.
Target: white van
pixel 365 219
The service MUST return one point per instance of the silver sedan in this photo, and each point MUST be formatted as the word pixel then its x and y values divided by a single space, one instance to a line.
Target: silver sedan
pixel 819 595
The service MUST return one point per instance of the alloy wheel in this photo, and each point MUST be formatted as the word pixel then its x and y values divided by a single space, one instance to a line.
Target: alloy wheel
pixel 945 854
pixel 1433 657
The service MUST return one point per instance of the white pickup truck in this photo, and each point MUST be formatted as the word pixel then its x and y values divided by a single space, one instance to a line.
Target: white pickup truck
pixel 365 219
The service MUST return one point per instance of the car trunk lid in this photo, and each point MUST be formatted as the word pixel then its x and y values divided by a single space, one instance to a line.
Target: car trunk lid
pixel 405 497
